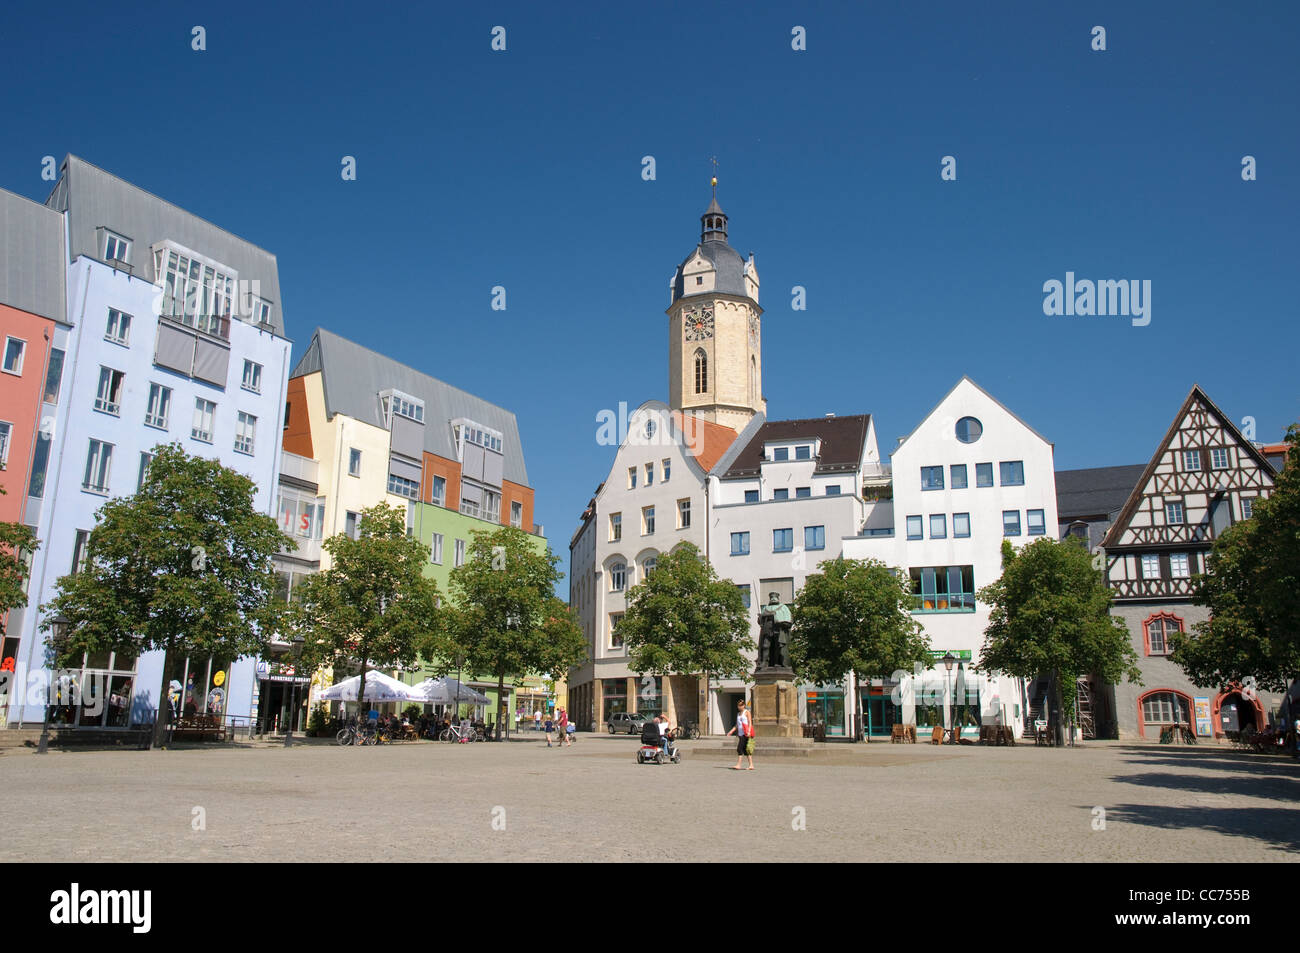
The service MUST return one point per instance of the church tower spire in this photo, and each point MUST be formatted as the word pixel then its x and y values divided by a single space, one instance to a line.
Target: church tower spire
pixel 715 335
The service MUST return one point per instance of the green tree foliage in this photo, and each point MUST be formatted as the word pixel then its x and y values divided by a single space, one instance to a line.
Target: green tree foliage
pixel 1050 613
pixel 505 619
pixel 183 566
pixel 854 615
pixel 374 607
pixel 683 619
pixel 15 540
pixel 1250 590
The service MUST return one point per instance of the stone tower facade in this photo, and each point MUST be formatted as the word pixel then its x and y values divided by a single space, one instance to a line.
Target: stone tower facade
pixel 715 334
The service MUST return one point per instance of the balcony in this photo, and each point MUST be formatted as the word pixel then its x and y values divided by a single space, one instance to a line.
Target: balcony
pixel 943 602
pixel 298 468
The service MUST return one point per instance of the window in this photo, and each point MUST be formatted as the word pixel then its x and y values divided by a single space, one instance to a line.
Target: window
pixel 631 478
pixel 203 414
pixel 197 294
pixel 931 478
pixel 751 496
pixel 701 372
pixel 160 401
pixel 683 514
pixel 1150 566
pixel 1247 507
pixel 1180 566
pixel 617 577
pixel 516 514
pixel 615 638
pixel 108 399
pixel 354 462
pixel 79 551
pixel 119 327
pixel 814 537
pixel 287 408
pixel 650 565
pixel 647 520
pixel 783 540
pixel 1011 473
pixel 98 461
pixel 1035 522
pixel 53 374
pixel 116 248
pixel 740 544
pixel 615 527
pixel 1166 708
pixel 667 468
pixel 649 474
pixel 14 351
pixel 401 486
pixel 6 429
pixel 1191 460
pixel 351 525
pixel 960 525
pixel 958 473
pixel 969 430
pixel 938 526
pixel 1158 629
pixel 832 489
pixel 259 310
pixel 145 460
pixel 460 552
pixel 943 589
pixel 440 490
pixel 983 474
pixel 1173 513
pixel 245 432
pixel 412 408
pixel 1219 458
pixel 1010 522
pixel 915 528
pixel 803 453
pixel 744 595
pixel 252 377
pixel 802 492
pixel 781 494
pixel 435 549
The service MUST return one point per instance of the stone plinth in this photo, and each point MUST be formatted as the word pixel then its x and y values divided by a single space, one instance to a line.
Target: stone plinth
pixel 776 704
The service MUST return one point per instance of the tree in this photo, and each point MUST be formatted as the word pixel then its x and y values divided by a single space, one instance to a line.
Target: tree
pixel 1050 613
pixel 855 616
pixel 374 606
pixel 683 619
pixel 183 566
pixel 1254 571
pixel 15 540
pixel 505 619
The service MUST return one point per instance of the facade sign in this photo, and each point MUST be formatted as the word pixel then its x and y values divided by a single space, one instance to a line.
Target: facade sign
pixel 1203 727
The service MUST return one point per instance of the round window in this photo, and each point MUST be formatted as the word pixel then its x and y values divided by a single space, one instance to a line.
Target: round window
pixel 969 430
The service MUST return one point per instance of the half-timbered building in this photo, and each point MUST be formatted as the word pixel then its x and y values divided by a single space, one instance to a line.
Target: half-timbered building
pixel 1204 477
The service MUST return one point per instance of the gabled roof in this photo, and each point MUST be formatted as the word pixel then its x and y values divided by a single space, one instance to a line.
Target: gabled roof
pixel 1095 491
pixel 705 440
pixel 842 438
pixel 352 377
pixel 966 378
pixel 1135 496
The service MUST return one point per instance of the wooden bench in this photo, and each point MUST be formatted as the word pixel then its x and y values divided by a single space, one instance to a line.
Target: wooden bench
pixel 199 727
pixel 936 736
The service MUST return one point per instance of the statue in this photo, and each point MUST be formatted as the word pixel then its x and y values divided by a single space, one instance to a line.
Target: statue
pixel 774 634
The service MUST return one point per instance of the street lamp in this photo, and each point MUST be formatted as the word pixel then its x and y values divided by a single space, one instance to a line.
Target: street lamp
pixel 948 661
pixel 57 628
pixel 293 692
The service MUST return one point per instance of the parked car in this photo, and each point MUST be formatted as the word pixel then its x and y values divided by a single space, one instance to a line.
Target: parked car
pixel 627 723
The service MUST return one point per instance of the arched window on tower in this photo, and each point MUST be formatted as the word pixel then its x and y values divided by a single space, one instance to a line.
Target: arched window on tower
pixel 701 372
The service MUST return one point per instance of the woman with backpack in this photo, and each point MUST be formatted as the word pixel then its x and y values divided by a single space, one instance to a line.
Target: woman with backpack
pixel 744 729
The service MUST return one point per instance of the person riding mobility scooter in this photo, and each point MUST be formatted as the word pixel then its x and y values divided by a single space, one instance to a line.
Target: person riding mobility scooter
pixel 656 746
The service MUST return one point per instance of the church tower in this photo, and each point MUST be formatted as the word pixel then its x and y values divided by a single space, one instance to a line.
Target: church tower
pixel 715 361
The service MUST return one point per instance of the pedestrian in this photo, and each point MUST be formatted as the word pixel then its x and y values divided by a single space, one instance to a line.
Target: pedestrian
pixel 564 729
pixel 744 729
pixel 519 716
pixel 537 719
pixel 549 729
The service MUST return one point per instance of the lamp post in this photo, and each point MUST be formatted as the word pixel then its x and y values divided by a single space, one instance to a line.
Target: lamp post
pixel 948 661
pixel 57 628
pixel 293 692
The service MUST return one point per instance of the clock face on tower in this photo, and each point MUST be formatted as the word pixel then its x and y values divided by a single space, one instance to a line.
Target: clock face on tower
pixel 698 324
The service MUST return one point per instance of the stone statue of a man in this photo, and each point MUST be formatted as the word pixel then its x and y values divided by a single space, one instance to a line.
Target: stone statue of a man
pixel 774 634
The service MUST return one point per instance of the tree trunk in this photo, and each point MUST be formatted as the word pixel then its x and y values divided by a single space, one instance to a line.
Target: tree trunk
pixel 363 710
pixel 860 727
pixel 163 716
pixel 1058 729
pixel 501 703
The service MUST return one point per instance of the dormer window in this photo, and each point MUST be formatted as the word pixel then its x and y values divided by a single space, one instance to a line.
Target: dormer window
pixel 116 248
pixel 467 431
pixel 403 405
pixel 196 291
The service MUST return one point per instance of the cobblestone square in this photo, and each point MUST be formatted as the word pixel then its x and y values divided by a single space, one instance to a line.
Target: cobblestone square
pixel 523 802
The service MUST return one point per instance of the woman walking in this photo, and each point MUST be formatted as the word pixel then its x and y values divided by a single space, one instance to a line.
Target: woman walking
pixel 744 729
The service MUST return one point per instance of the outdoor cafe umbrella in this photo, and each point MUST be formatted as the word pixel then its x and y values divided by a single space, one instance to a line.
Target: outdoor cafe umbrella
pixel 379 688
pixel 447 691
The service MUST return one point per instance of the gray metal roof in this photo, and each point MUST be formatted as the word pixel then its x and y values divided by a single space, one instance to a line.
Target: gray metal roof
pixel 94 198
pixel 31 257
pixel 353 376
pixel 1095 491
pixel 727 265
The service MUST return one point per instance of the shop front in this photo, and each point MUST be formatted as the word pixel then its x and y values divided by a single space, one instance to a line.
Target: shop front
pixel 281 699
pixel 824 711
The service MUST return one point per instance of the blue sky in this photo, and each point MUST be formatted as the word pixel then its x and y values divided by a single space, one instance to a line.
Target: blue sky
pixel 523 169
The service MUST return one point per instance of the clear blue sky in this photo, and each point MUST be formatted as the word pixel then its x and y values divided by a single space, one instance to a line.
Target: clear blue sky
pixel 523 169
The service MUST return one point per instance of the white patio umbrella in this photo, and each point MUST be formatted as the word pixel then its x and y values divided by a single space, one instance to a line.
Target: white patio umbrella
pixel 379 688
pixel 447 691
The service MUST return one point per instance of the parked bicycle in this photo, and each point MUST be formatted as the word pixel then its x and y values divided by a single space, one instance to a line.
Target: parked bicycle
pixel 688 729
pixel 353 735
pixel 455 733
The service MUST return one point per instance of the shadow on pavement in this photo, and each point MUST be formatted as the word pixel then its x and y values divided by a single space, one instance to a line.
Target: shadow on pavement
pixel 1275 826
pixel 1284 789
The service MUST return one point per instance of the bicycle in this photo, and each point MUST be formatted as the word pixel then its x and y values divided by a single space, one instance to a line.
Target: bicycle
pixel 454 733
pixel 688 729
pixel 357 736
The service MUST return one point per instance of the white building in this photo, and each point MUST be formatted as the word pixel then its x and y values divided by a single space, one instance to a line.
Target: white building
pixel 173 333
pixel 971 475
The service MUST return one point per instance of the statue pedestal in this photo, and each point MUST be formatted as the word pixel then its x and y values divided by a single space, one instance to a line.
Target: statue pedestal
pixel 776 704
